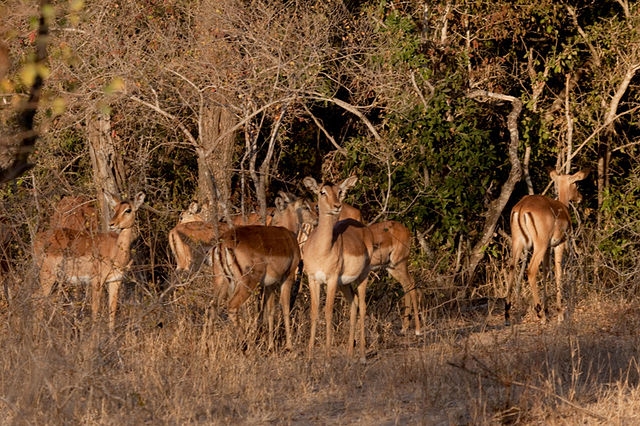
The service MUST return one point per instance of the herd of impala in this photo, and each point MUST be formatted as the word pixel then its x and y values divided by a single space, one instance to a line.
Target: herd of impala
pixel 326 238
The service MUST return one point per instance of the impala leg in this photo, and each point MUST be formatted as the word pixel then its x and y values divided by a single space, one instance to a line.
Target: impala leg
pixel 96 298
pixel 352 302
pixel 314 294
pixel 285 303
pixel 546 272
pixel 362 292
pixel 558 253
pixel 269 311
pixel 114 291
pixel 239 296
pixel 328 313
pixel 47 279
pixel 532 274
pixel 410 298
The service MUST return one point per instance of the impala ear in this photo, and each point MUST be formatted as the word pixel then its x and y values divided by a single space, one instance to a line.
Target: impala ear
pixel 280 204
pixel 113 200
pixel 582 174
pixel 348 183
pixel 194 207
pixel 138 200
pixel 311 183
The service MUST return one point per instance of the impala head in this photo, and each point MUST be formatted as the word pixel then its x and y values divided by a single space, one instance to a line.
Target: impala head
pixel 566 186
pixel 330 196
pixel 293 210
pixel 124 212
pixel 192 214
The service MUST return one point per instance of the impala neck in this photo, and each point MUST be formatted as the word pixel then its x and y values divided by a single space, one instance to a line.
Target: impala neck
pixel 566 192
pixel 123 246
pixel 326 222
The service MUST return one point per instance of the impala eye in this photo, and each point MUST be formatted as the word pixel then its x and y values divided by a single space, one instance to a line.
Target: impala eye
pixel 127 211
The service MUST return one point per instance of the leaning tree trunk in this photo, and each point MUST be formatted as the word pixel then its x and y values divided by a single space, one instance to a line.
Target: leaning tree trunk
pixel 497 206
pixel 108 168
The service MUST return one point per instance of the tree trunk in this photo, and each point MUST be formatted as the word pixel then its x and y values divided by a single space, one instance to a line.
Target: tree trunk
pixel 108 168
pixel 497 206
pixel 216 169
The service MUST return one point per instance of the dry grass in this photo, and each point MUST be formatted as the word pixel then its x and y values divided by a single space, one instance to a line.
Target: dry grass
pixel 180 363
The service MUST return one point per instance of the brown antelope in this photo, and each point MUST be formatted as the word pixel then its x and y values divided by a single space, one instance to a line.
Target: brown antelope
pixel 248 256
pixel 99 258
pixel 192 239
pixel 75 212
pixel 542 223
pixel 347 212
pixel 391 249
pixel 253 218
pixel 295 214
pixel 338 254
pixel 253 255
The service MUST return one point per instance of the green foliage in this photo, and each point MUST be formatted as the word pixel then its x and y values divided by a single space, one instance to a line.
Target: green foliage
pixel 440 168
pixel 618 240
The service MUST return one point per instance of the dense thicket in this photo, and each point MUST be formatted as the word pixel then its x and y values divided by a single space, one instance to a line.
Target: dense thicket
pixel 412 97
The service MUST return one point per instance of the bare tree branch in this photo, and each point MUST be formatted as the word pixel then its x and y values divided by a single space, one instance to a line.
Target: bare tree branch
pixel 352 109
pixel 326 133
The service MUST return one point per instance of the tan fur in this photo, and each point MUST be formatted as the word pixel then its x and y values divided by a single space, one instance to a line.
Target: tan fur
pixel 75 212
pixel 391 249
pixel 253 255
pixel 347 212
pixel 191 240
pixel 253 218
pixel 338 254
pixel 295 214
pixel 96 258
pixel 542 223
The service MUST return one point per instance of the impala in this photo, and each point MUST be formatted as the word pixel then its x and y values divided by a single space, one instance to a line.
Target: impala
pixel 338 254
pixel 100 258
pixel 252 218
pixel 347 212
pixel 391 249
pixel 253 255
pixel 248 256
pixel 192 239
pixel 295 214
pixel 542 223
pixel 75 212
